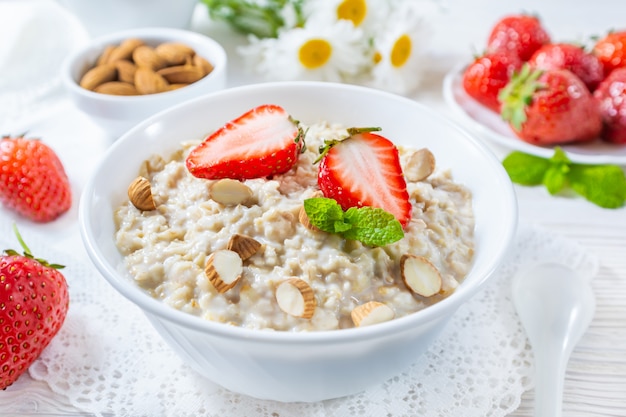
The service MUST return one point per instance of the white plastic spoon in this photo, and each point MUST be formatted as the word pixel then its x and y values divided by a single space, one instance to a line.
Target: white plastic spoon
pixel 556 305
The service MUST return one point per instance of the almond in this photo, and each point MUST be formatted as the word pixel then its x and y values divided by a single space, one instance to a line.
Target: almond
pixel 125 71
pixel 175 53
pixel 125 49
pixel 245 246
pixel 223 269
pixel 420 165
pixel 172 87
pixel 98 75
pixel 230 192
pixel 149 82
pixel 296 298
pixel 203 64
pixel 117 88
pixel 140 194
pixel 105 56
pixel 182 74
pixel 372 312
pixel 420 275
pixel 146 57
pixel 304 220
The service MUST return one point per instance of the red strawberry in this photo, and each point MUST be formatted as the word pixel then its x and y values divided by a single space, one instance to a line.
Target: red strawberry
pixel 550 107
pixel 519 34
pixel 487 75
pixel 611 94
pixel 364 170
pixel 571 57
pixel 33 304
pixel 32 179
pixel 262 142
pixel 611 51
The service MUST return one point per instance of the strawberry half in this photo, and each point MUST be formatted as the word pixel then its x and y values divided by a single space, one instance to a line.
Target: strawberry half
pixel 262 142
pixel 364 170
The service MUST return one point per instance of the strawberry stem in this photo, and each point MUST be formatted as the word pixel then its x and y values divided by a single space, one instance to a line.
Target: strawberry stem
pixel 323 149
pixel 518 94
pixel 27 253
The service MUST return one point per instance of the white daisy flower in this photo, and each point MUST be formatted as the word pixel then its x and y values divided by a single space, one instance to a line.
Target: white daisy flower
pixel 335 52
pixel 368 15
pixel 398 56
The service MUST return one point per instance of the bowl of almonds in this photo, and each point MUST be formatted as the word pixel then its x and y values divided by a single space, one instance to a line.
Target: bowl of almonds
pixel 122 78
pixel 293 242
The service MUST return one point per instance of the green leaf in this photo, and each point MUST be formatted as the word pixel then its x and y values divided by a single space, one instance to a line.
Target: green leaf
pixel 603 185
pixel 369 225
pixel 324 213
pixel 373 226
pixel 525 169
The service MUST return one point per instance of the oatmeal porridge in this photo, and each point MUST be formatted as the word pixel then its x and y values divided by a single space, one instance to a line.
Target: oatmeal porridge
pixel 166 250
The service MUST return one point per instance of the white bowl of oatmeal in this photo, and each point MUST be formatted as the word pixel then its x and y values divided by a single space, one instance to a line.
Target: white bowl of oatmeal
pixel 239 334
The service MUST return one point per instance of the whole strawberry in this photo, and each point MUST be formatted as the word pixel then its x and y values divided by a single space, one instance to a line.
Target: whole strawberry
pixel 519 34
pixel 572 57
pixel 550 107
pixel 262 142
pixel 487 75
pixel 611 95
pixel 33 181
pixel 364 170
pixel 33 305
pixel 611 50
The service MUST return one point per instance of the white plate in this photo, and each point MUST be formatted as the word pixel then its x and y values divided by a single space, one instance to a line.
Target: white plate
pixel 491 126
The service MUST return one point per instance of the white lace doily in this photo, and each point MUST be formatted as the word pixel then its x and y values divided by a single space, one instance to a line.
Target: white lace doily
pixel 107 359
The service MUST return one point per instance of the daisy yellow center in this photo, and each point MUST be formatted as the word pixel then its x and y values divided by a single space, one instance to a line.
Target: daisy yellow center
pixel 314 53
pixel 401 51
pixel 354 10
pixel 377 57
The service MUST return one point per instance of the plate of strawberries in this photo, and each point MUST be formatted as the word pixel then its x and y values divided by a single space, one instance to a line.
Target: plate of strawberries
pixel 530 93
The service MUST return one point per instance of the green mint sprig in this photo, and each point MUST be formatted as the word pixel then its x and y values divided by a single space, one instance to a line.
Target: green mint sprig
pixel 603 185
pixel 369 225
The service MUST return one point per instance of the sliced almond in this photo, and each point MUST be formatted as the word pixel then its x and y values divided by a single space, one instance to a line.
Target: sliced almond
pixel 149 82
pixel 182 74
pixel 145 56
pixel 304 219
pixel 140 194
pixel 420 165
pixel 125 71
pixel 370 313
pixel 223 269
pixel 245 246
pixel 175 53
pixel 203 64
pixel 98 75
pixel 117 88
pixel 420 275
pixel 296 298
pixel 125 49
pixel 230 192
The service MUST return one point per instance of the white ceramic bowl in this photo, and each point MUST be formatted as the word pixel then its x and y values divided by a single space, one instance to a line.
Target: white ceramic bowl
pixel 311 366
pixel 103 17
pixel 117 114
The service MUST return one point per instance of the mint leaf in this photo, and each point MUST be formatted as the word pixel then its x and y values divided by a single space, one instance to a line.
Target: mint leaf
pixel 603 185
pixel 525 169
pixel 373 226
pixel 369 225
pixel 325 214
